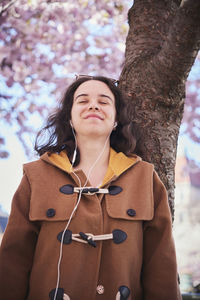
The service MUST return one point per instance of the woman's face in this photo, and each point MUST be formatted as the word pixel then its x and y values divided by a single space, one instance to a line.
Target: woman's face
pixel 93 111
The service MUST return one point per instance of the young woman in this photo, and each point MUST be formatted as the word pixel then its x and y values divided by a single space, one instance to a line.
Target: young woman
pixel 90 220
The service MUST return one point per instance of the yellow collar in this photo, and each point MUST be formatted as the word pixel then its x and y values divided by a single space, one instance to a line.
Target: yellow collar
pixel 118 163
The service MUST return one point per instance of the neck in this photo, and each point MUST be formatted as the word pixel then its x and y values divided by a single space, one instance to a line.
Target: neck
pixel 91 150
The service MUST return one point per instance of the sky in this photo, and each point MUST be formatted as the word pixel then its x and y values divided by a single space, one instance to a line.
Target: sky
pixel 11 170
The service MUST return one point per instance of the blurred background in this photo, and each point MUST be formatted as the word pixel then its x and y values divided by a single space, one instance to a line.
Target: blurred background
pixel 43 45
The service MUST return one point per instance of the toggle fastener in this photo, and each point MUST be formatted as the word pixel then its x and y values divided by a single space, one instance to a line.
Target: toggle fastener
pixel 87 238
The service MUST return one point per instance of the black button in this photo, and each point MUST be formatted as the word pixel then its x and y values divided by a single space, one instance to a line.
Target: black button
pixel 131 212
pixel 114 189
pixel 67 189
pixel 67 239
pixel 59 295
pixel 124 292
pixel 50 212
pixel 119 236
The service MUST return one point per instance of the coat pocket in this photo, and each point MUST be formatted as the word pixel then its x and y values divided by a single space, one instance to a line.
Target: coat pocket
pixel 130 206
pixel 53 206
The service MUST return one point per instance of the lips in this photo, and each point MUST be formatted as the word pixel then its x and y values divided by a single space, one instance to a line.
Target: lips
pixel 93 116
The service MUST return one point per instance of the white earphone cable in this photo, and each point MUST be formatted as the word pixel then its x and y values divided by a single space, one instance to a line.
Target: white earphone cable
pixel 76 206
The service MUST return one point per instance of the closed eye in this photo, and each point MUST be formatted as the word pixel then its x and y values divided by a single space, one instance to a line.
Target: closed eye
pixel 103 102
pixel 83 101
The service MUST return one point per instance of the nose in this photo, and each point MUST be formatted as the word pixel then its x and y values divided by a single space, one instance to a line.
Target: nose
pixel 93 106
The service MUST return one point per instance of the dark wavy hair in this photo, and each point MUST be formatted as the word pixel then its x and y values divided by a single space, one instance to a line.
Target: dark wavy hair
pixel 58 132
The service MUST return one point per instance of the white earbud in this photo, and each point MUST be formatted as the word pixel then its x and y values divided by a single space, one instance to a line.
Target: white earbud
pixel 115 125
pixel 74 157
pixel 75 150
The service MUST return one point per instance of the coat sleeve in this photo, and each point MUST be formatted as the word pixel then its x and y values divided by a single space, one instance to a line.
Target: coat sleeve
pixel 159 274
pixel 17 247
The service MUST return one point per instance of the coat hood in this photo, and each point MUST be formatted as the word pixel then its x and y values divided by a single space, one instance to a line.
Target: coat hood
pixel 118 163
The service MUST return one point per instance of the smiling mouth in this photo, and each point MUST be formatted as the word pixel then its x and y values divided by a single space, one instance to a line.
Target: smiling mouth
pixel 94 116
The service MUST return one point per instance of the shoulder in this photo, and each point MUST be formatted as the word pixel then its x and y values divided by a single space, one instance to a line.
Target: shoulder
pixel 33 166
pixel 143 167
pixel 39 169
pixel 146 172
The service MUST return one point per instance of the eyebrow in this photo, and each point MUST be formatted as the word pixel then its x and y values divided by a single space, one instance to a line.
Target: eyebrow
pixel 101 95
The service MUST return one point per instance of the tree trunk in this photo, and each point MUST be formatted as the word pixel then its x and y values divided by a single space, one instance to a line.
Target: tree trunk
pixel 161 46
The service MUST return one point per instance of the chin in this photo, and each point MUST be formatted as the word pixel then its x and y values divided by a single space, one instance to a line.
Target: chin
pixel 99 133
pixel 94 130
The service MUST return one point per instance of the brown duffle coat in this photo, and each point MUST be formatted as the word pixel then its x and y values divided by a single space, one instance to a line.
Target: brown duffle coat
pixel 139 261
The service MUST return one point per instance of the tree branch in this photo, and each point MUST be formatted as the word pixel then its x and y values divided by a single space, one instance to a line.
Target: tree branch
pixel 180 47
pixel 149 22
pixel 6 7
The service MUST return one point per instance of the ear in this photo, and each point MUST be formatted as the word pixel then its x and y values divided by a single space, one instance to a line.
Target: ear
pixel 115 125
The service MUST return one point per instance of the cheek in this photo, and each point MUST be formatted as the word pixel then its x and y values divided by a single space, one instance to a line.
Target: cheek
pixel 112 113
pixel 115 113
pixel 72 113
pixel 76 113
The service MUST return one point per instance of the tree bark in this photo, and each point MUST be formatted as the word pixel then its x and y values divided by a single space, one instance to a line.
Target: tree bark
pixel 161 46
